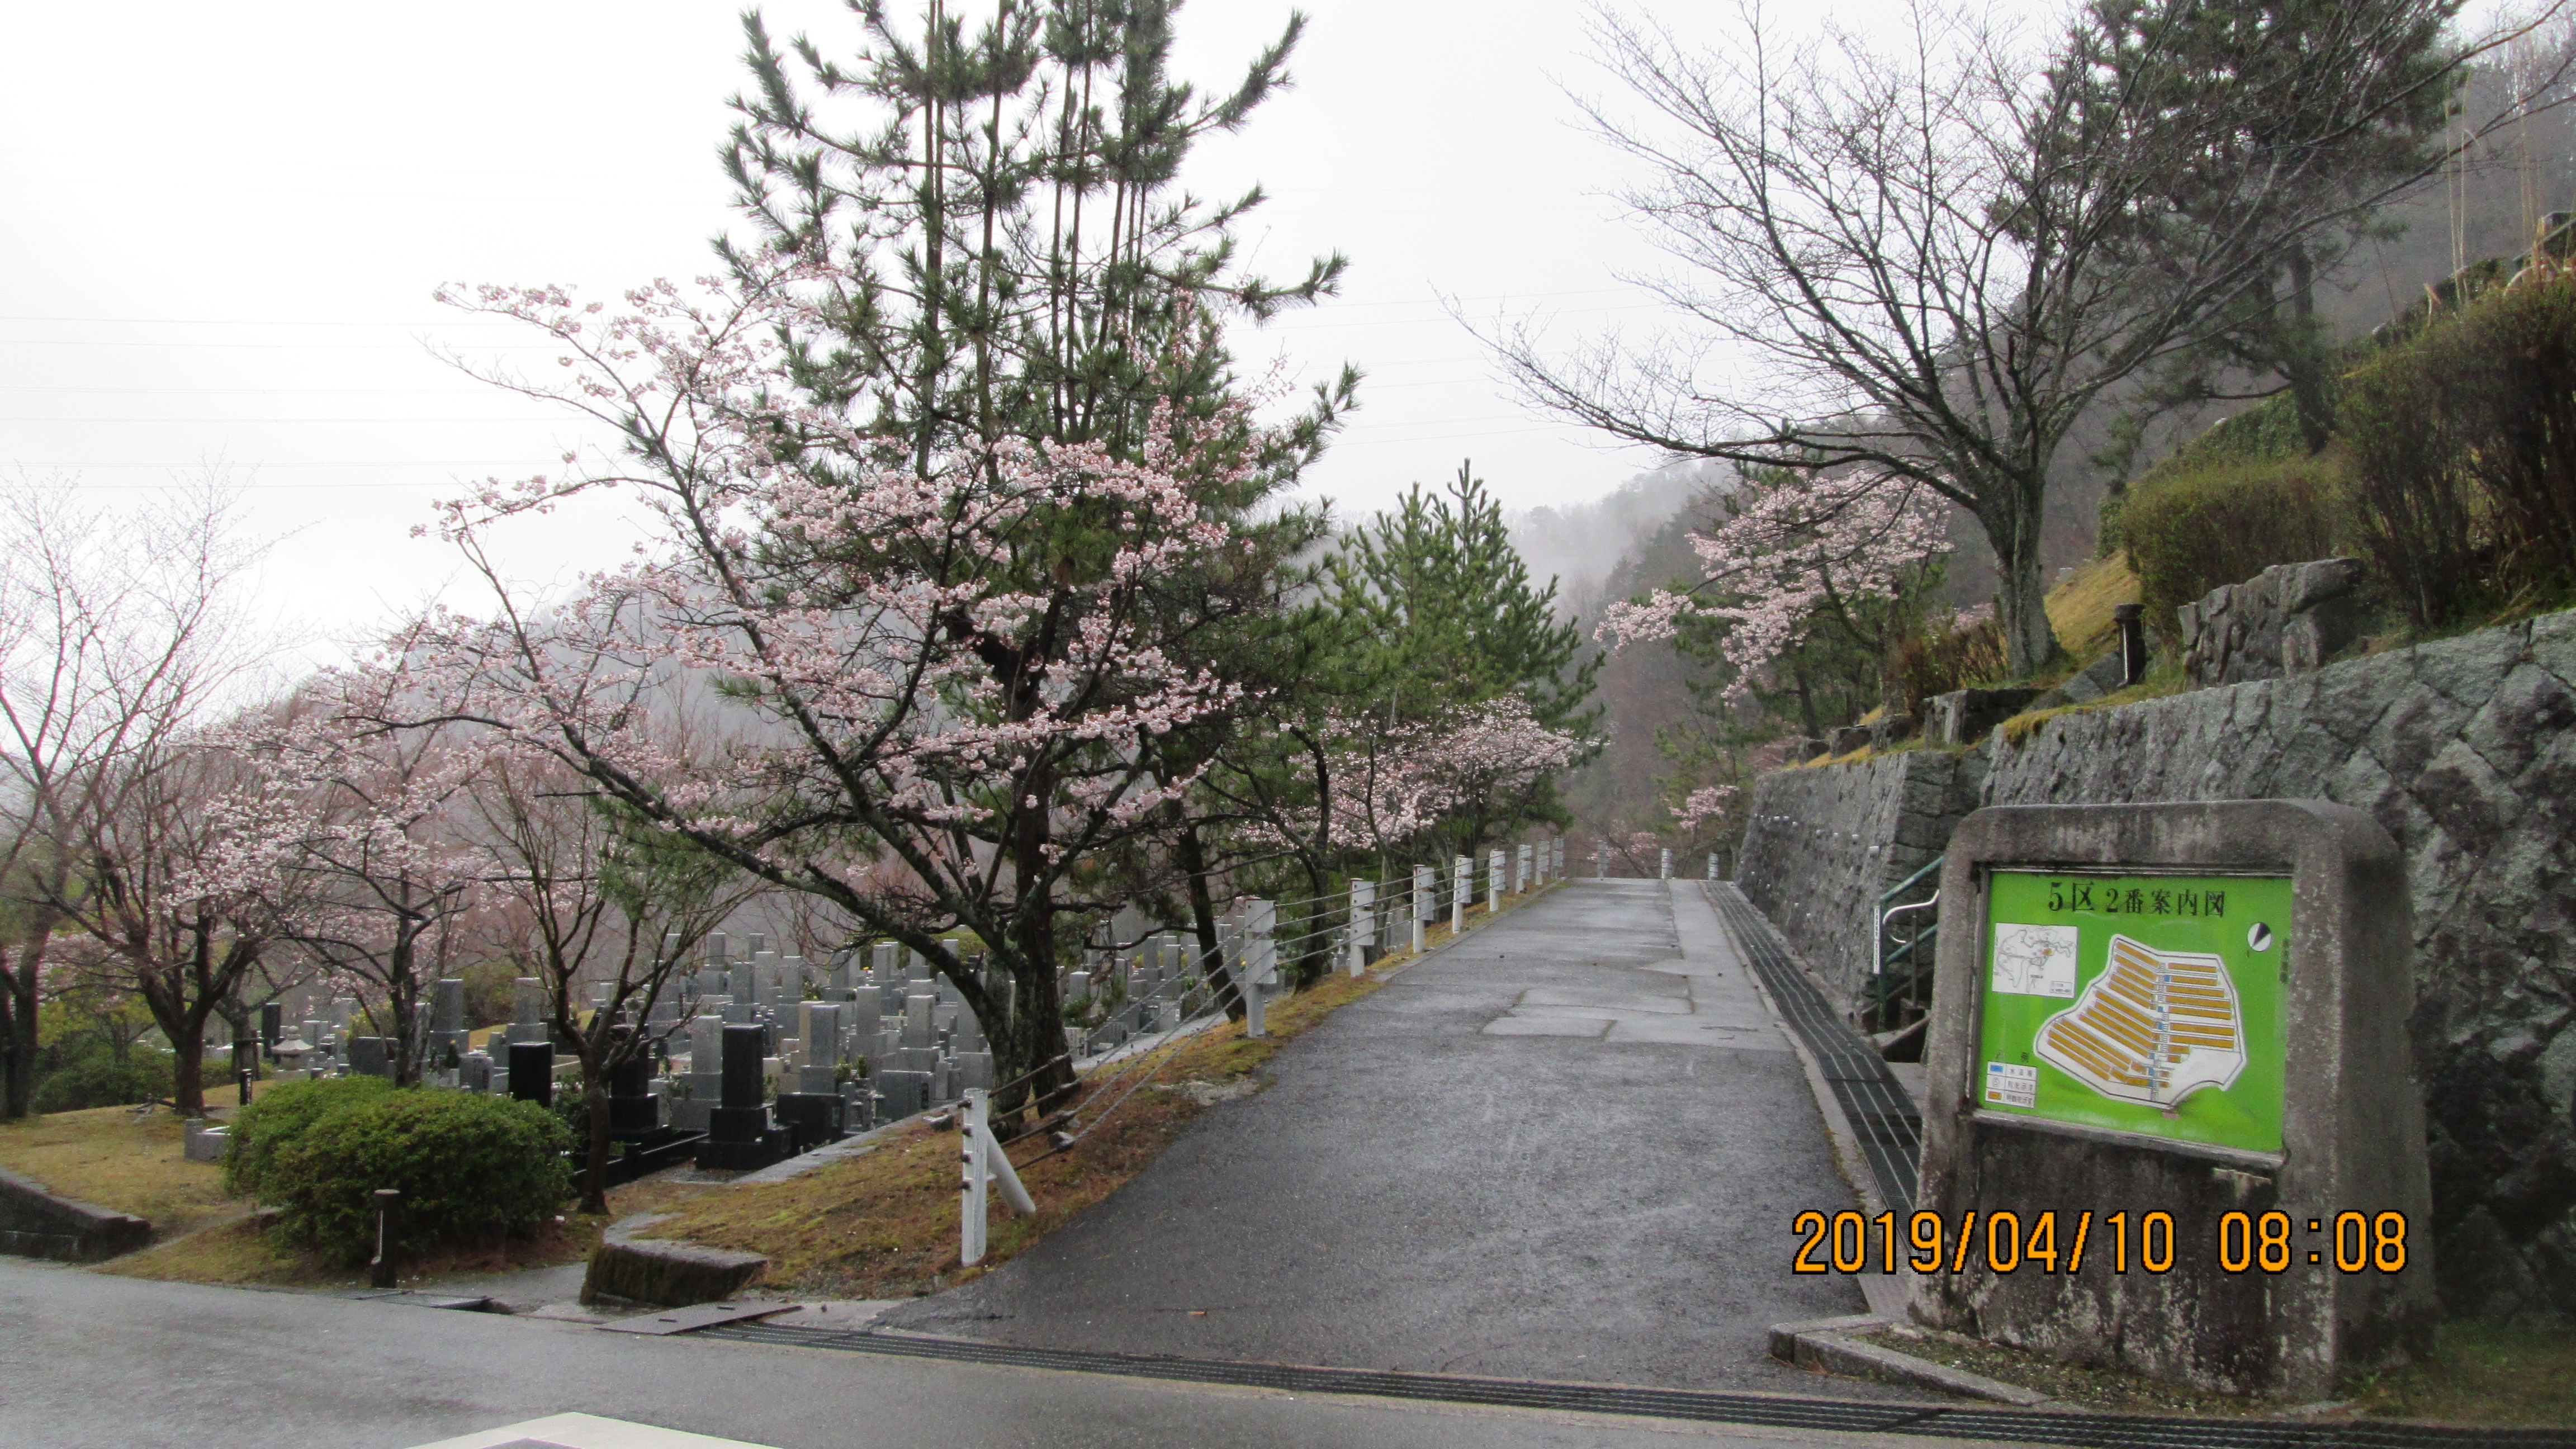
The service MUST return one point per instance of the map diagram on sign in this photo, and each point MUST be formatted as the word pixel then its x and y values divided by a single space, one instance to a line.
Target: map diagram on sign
pixel 2154 1027
pixel 2034 960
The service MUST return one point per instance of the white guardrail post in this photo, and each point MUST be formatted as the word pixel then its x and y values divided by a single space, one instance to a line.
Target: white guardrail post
pixel 1363 927
pixel 1260 959
pixel 982 1162
pixel 1424 902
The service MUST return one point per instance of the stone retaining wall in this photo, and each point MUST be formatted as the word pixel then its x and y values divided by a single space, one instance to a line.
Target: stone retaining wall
pixel 35 1223
pixel 2461 749
pixel 1826 841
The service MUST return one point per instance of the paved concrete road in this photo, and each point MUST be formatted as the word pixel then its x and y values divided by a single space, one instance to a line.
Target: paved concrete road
pixel 88 1362
pixel 1568 1147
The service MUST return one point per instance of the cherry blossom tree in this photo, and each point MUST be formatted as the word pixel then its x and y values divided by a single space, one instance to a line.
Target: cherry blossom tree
pixel 955 671
pixel 581 892
pixel 380 855
pixel 119 628
pixel 1793 552
pixel 180 890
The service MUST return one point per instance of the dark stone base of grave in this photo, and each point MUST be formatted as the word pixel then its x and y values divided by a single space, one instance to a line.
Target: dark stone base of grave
pixel 738 1140
pixel 813 1117
pixel 634 1116
pixel 650 1155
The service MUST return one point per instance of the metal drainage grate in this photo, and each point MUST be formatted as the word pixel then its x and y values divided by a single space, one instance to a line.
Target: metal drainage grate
pixel 1881 1114
pixel 2017 1426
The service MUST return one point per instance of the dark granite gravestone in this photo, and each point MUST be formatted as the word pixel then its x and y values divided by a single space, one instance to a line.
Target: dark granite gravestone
pixel 738 1127
pixel 532 1072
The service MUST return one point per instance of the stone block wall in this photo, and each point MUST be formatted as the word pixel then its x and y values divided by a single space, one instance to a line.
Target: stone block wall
pixel 2463 751
pixel 35 1223
pixel 1825 842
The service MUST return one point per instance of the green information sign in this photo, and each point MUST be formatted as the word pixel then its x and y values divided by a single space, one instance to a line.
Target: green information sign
pixel 2138 1003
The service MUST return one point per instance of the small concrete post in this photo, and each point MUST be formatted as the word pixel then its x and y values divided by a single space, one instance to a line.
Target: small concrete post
pixel 1494 881
pixel 1520 870
pixel 971 1209
pixel 388 1203
pixel 1363 924
pixel 1462 886
pixel 1665 871
pixel 1712 865
pixel 2133 642
pixel 1601 861
pixel 1423 904
pixel 1260 960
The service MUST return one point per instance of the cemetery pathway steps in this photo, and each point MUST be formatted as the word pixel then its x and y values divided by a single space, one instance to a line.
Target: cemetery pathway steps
pixel 1568 1146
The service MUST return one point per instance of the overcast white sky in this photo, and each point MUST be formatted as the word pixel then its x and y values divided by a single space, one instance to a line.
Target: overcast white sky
pixel 224 224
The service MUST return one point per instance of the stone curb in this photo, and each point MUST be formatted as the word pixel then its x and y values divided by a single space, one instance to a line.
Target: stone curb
pixel 1829 1344
pixel 664 1272
pixel 36 1222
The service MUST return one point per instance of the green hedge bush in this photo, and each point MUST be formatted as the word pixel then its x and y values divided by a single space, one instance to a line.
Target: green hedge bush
pixel 95 1078
pixel 2464 446
pixel 277 1116
pixel 470 1168
pixel 2190 531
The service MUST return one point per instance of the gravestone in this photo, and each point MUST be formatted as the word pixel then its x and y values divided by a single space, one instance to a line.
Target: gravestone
pixel 474 1071
pixel 738 1125
pixel 532 1072
pixel 528 1011
pixel 371 1056
pixel 2176 1034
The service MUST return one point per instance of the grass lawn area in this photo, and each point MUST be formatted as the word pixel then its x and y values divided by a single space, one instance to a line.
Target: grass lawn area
pixel 109 1157
pixel 2482 1373
pixel 884 1225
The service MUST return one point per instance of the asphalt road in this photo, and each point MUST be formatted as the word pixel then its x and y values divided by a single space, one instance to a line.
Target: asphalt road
pixel 94 1362
pixel 1567 1147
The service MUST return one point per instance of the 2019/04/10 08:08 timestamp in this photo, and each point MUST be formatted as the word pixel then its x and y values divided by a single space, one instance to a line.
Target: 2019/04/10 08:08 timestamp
pixel 1847 1242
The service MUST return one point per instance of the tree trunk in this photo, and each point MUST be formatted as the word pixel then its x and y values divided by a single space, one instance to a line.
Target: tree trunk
pixel 2303 359
pixel 19 1098
pixel 2021 595
pixel 188 1073
pixel 1193 861
pixel 1031 1045
pixel 594 1172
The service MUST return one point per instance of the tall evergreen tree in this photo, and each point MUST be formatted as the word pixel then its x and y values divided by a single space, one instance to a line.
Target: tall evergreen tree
pixel 2356 95
pixel 1440 611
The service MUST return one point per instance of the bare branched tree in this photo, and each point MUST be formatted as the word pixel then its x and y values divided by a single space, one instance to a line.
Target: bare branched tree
pixel 1924 259
pixel 590 894
pixel 118 629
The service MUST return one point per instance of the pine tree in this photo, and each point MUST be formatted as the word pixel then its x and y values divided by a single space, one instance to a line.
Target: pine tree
pixel 1440 611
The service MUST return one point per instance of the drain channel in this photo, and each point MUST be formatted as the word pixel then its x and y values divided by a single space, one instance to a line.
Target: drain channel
pixel 1881 1114
pixel 2016 1426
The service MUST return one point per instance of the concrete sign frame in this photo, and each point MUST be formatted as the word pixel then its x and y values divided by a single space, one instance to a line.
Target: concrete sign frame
pixel 2351 1124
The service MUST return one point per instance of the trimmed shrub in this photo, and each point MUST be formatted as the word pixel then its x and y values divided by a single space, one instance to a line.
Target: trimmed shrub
pixel 278 1116
pixel 470 1167
pixel 2464 445
pixel 2188 532
pixel 95 1078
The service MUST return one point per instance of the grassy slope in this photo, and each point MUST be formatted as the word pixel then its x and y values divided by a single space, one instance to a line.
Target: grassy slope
pixel 111 1158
